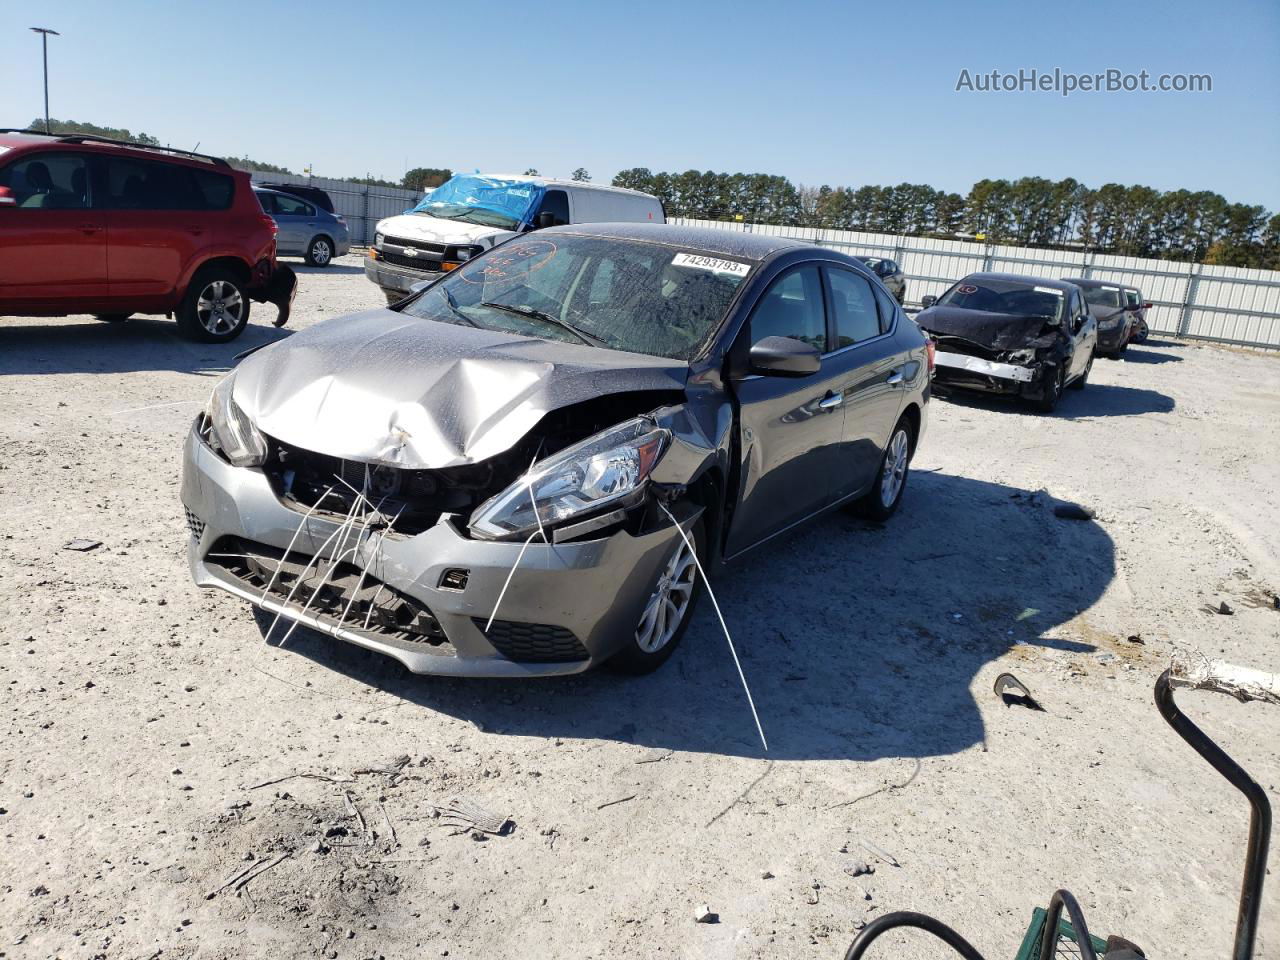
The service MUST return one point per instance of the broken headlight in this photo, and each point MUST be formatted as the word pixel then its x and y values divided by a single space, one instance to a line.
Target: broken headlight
pixel 601 470
pixel 232 433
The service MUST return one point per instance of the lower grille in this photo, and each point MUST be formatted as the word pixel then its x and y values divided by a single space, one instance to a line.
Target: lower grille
pixel 533 642
pixel 194 524
pixel 337 593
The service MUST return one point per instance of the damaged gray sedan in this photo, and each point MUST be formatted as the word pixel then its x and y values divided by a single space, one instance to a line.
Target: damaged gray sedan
pixel 509 473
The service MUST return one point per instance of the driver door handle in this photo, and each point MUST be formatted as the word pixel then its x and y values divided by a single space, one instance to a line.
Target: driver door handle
pixel 831 401
pixel 895 378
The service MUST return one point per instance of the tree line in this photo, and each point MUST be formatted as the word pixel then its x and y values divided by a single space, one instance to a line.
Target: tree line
pixel 1032 211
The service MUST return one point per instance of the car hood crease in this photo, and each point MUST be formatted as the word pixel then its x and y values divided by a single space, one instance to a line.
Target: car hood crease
pixel 995 331
pixel 384 387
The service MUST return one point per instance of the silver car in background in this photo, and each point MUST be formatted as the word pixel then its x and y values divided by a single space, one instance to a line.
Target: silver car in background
pixel 306 230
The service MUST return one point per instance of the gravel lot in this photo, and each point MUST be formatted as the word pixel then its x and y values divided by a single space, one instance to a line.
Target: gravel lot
pixel 141 715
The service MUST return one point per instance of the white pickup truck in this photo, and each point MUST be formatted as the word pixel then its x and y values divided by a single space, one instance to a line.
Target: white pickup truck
pixel 472 212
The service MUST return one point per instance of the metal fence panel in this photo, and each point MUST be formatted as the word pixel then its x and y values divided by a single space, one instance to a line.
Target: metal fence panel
pixel 1225 304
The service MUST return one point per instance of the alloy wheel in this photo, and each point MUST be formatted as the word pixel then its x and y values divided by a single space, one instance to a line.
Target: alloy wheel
pixel 220 307
pixel 895 468
pixel 321 253
pixel 669 603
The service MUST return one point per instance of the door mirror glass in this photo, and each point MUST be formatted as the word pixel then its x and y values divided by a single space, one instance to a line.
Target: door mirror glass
pixel 927 302
pixel 784 357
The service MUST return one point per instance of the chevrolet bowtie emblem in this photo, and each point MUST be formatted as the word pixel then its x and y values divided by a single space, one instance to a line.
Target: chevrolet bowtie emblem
pixel 410 252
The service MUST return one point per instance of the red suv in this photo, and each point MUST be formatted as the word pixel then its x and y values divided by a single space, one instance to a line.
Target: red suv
pixel 90 225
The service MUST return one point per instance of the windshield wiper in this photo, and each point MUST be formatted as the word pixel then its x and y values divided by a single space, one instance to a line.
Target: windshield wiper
pixel 588 338
pixel 453 305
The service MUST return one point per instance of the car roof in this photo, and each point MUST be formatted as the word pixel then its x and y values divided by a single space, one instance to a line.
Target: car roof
pixel 18 139
pixel 573 184
pixel 727 243
pixel 1092 284
pixel 1066 285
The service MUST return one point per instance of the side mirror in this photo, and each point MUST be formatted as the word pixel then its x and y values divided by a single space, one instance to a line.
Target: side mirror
pixel 784 357
pixel 546 219
pixel 7 199
pixel 927 302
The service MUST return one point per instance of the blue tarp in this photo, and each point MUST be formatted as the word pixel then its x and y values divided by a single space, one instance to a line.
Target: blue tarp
pixel 517 199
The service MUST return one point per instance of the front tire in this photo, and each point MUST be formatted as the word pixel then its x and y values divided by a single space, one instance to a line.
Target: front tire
pixel 882 500
pixel 669 609
pixel 215 307
pixel 320 252
pixel 1048 401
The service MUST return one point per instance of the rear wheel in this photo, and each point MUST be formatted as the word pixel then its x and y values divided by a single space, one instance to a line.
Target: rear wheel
pixel 114 317
pixel 320 252
pixel 215 308
pixel 668 610
pixel 881 501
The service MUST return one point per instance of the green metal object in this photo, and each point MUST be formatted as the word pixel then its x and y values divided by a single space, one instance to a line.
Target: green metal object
pixel 1030 949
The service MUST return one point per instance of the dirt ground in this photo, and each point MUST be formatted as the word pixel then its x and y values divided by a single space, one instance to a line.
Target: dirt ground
pixel 154 747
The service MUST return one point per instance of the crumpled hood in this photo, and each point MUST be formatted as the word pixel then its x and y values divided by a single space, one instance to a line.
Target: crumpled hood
pixel 995 331
pixel 423 226
pixel 384 387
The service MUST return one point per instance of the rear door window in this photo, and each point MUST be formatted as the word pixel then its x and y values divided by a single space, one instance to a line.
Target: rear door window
pixel 853 307
pixel 48 181
pixel 793 307
pixel 137 184
pixel 293 207
pixel 887 308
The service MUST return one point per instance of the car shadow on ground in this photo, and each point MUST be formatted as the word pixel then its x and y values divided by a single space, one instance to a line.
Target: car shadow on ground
pixel 1137 354
pixel 333 268
pixel 860 640
pixel 140 343
pixel 1095 400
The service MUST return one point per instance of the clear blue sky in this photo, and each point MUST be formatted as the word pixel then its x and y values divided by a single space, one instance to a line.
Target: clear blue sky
pixel 837 93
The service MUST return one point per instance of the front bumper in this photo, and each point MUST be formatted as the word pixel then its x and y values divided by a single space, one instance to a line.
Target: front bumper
pixel 594 589
pixel 988 376
pixel 396 279
pixel 1111 340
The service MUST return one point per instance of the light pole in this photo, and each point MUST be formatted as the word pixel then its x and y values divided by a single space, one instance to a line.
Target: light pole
pixel 44 43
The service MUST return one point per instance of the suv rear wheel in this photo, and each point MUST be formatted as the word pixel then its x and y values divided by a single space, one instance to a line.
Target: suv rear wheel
pixel 320 252
pixel 215 308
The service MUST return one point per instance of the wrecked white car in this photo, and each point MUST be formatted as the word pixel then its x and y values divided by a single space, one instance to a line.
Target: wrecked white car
pixel 486 479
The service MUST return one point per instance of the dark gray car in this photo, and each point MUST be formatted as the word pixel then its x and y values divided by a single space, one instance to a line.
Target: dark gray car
pixel 508 473
pixel 1107 302
pixel 1004 333
pixel 890 275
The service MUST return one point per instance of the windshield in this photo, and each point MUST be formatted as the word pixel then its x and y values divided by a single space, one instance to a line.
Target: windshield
pixel 490 201
pixel 1024 298
pixel 621 294
pixel 1102 296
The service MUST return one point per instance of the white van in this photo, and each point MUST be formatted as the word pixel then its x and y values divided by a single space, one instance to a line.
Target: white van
pixel 473 212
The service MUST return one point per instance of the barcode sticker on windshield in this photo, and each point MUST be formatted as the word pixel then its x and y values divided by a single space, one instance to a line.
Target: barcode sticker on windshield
pixel 1056 293
pixel 698 262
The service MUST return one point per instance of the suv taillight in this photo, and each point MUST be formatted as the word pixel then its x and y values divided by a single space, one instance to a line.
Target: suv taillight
pixel 270 224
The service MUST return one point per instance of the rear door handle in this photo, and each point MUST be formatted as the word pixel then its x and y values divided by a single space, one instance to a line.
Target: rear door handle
pixel 831 401
pixel 195 230
pixel 89 228
pixel 895 378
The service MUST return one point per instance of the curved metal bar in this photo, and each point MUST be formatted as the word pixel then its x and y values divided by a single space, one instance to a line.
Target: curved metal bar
pixel 1049 938
pixel 1255 861
pixel 920 921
